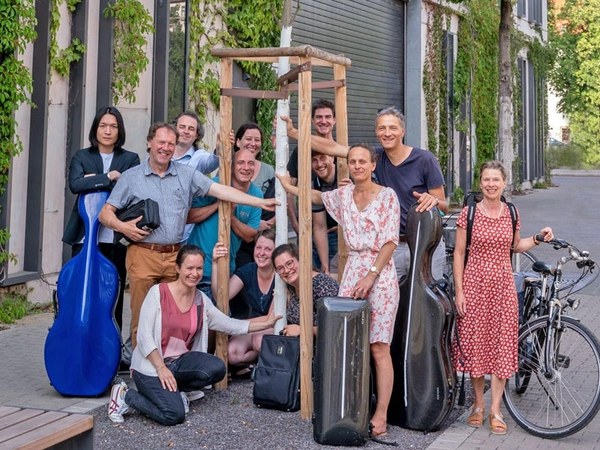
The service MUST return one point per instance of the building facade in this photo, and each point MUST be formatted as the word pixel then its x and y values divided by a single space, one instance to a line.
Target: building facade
pixel 385 39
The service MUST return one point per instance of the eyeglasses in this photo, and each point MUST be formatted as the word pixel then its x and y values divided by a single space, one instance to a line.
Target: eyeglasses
pixel 288 265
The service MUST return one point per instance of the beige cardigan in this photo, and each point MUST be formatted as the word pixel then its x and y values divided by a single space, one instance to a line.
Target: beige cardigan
pixel 149 332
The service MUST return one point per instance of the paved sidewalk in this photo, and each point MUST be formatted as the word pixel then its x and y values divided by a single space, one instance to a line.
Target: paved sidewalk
pixel 571 209
pixel 23 373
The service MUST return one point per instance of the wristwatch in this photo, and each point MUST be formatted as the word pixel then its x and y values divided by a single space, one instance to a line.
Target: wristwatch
pixel 374 270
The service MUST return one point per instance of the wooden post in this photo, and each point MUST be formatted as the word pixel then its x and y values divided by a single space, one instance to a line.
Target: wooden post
pixel 341 135
pixel 224 211
pixel 305 242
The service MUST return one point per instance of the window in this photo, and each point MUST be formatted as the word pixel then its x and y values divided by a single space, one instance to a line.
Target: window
pixel 178 57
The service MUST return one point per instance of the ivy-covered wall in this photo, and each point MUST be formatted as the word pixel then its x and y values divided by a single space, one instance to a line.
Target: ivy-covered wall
pixel 475 78
pixel 17 30
pixel 235 23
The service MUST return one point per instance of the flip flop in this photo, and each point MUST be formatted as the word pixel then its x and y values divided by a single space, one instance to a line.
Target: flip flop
pixel 497 424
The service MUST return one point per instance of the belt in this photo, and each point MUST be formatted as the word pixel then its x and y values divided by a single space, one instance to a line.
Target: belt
pixel 159 248
pixel 402 238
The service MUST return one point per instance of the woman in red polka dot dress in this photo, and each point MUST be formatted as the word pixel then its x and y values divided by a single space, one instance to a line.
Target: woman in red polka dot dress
pixel 486 297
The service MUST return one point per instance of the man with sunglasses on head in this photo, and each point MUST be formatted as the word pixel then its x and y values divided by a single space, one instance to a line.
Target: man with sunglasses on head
pixel 413 173
pixel 189 153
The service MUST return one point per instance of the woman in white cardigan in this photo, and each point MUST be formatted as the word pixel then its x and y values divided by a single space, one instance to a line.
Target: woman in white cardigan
pixel 170 358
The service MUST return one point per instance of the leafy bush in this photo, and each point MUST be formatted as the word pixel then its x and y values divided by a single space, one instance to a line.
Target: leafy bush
pixel 569 156
pixel 13 307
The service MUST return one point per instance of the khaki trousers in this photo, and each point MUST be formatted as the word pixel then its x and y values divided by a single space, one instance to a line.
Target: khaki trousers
pixel 146 268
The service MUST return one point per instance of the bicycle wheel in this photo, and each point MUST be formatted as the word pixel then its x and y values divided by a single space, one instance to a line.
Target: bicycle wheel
pixel 522 262
pixel 562 402
pixel 523 374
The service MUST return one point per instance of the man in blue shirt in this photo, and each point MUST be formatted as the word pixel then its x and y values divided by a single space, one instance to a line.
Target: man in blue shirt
pixel 245 220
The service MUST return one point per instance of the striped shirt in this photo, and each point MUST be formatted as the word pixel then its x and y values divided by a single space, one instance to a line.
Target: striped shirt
pixel 174 193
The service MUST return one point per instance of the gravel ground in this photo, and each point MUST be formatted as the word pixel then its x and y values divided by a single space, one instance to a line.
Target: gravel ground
pixel 227 419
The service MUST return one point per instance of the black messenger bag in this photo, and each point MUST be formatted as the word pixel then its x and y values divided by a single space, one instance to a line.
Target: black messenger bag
pixel 148 209
pixel 277 374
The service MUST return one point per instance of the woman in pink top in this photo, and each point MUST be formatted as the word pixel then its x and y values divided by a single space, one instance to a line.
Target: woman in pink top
pixel 170 364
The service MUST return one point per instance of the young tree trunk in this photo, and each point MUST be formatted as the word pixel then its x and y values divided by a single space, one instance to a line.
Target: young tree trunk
pixel 281 158
pixel 505 110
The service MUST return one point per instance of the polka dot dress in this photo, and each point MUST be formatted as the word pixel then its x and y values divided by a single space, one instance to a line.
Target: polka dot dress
pixel 489 331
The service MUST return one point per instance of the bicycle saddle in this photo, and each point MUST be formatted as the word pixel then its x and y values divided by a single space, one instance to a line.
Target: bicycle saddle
pixel 543 267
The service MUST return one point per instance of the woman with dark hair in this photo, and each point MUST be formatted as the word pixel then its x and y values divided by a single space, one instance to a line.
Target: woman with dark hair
pixel 170 363
pixel 250 137
pixel 286 262
pixel 255 281
pixel 98 167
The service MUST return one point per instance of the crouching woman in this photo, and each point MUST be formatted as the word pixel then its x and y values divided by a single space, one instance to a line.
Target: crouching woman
pixel 170 364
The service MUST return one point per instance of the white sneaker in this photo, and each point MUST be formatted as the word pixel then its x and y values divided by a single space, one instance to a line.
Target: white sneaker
pixel 186 402
pixel 117 406
pixel 194 395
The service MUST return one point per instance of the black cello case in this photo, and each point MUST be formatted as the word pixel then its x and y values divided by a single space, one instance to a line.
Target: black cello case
pixel 424 379
pixel 341 372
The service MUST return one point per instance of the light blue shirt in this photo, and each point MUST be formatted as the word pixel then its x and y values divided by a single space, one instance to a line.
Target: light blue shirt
pixel 206 233
pixel 200 159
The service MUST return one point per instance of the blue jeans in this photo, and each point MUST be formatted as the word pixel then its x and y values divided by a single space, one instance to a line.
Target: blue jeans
pixel 193 371
pixel 332 241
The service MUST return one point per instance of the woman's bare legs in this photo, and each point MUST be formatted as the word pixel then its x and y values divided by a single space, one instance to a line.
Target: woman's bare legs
pixel 385 382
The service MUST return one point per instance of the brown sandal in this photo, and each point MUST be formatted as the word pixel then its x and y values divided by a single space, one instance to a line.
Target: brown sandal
pixel 475 420
pixel 497 424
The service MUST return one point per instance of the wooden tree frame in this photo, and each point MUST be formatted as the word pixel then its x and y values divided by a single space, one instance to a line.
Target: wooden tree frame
pixel 302 59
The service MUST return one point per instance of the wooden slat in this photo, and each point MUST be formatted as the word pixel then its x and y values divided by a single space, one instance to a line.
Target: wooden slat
pixel 305 244
pixel 271 54
pixel 274 95
pixel 341 134
pixel 19 416
pixel 294 60
pixel 6 410
pixel 27 426
pixel 224 210
pixel 52 433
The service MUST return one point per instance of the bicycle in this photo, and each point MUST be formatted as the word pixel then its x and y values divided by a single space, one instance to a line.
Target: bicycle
pixel 556 390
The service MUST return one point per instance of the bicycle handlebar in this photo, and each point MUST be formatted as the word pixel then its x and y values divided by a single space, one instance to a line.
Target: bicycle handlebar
pixel 582 257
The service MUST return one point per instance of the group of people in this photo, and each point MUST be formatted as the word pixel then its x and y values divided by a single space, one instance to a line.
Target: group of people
pixel 486 298
pixel 172 284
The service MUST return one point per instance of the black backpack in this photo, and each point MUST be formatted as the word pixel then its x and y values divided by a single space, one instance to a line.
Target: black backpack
pixel 470 200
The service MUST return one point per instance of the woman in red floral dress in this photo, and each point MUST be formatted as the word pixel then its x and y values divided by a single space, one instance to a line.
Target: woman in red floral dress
pixel 486 297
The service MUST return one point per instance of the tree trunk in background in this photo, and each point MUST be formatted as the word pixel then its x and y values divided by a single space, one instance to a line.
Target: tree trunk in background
pixel 505 110
pixel 281 158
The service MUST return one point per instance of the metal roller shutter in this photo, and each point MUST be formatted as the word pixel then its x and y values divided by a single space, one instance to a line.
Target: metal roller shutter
pixel 371 34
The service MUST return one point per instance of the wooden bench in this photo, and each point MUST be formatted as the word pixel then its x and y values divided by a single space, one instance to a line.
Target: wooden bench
pixel 24 428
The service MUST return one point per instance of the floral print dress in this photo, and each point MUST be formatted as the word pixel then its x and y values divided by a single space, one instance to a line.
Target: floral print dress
pixel 365 232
